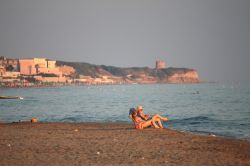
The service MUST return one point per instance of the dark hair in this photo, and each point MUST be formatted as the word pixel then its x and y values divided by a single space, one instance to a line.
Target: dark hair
pixel 131 110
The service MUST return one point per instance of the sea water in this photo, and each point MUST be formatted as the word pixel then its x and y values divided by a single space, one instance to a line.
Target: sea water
pixel 202 108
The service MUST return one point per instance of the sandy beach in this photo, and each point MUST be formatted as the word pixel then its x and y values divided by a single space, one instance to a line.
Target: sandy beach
pixel 114 144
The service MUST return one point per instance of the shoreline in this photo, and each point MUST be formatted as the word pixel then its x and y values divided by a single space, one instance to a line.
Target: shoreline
pixel 201 133
pixel 99 84
pixel 91 143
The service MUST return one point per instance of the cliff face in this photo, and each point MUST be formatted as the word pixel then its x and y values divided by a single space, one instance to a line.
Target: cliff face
pixel 143 75
pixel 184 77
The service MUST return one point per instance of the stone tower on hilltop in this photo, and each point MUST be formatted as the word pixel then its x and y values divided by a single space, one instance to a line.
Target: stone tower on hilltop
pixel 160 64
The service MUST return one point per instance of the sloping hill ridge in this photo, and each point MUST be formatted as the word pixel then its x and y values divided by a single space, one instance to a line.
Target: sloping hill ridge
pixel 135 74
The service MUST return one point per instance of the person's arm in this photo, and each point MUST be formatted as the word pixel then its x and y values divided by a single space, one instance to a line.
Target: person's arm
pixel 144 116
pixel 147 116
pixel 138 119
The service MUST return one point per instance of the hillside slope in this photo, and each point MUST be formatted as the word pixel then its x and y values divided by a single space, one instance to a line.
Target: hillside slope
pixel 135 74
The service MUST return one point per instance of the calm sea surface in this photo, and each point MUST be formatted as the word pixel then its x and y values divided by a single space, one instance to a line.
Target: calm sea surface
pixel 203 108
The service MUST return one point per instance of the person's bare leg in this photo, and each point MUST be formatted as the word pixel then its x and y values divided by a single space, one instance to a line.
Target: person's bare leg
pixel 162 118
pixel 158 120
pixel 155 125
pixel 149 123
pixel 160 124
pixel 154 119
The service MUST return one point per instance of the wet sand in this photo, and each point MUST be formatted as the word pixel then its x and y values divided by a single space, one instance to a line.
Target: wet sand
pixel 114 144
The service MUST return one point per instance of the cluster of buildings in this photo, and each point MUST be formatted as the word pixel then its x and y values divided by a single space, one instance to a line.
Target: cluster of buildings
pixel 102 79
pixel 35 71
pixel 40 70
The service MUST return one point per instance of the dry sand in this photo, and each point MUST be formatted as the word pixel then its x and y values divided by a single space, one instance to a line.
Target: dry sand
pixel 114 144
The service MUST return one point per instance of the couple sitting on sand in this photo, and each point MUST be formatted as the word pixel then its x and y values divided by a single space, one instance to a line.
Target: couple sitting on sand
pixel 142 121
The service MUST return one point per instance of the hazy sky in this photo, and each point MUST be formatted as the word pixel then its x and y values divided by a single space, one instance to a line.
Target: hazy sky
pixel 212 36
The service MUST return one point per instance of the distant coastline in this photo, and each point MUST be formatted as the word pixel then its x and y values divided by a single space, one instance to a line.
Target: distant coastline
pixel 42 72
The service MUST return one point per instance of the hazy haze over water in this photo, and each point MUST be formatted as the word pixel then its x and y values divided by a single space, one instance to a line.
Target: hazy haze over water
pixel 211 36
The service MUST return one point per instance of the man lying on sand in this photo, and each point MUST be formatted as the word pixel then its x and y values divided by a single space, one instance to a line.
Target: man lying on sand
pixel 155 121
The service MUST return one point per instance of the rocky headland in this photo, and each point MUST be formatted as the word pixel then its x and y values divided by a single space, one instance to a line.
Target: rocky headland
pixel 144 75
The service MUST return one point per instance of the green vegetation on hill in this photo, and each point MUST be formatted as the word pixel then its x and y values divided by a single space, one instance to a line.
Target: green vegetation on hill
pixel 116 71
pixel 81 68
